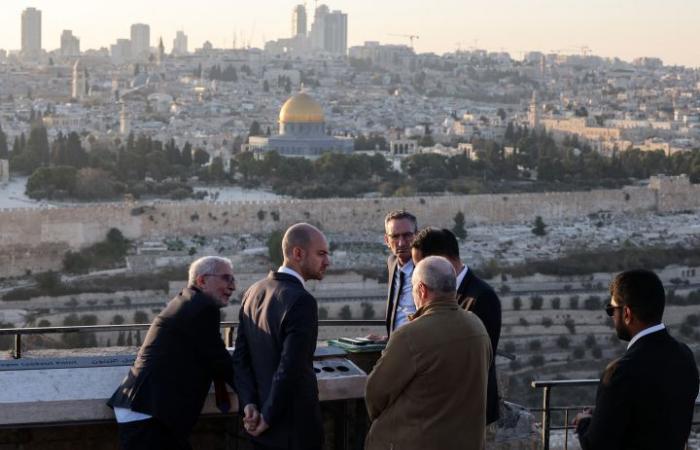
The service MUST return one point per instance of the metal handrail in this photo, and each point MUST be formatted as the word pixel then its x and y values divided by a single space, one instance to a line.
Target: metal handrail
pixel 547 386
pixel 229 326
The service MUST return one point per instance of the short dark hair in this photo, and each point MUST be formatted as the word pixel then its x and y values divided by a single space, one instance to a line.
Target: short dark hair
pixel 439 242
pixel 399 214
pixel 642 291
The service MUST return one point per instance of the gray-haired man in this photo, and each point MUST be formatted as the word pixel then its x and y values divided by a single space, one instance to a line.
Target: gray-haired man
pixel 160 399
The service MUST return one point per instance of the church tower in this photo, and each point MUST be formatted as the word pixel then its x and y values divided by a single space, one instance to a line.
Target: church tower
pixel 160 57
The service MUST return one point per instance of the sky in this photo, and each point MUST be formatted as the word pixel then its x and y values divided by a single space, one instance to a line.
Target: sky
pixel 624 28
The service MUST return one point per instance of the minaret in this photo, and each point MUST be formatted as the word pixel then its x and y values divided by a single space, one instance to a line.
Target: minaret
pixel 124 122
pixel 534 113
pixel 160 57
pixel 80 85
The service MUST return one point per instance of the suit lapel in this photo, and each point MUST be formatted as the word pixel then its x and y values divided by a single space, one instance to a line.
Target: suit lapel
pixel 390 304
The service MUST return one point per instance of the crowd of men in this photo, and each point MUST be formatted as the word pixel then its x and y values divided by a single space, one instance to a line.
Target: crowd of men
pixel 434 387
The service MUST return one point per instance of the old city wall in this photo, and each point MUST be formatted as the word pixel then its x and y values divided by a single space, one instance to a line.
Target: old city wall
pixel 36 239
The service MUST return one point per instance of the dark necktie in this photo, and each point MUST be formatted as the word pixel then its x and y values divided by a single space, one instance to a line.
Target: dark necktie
pixel 397 295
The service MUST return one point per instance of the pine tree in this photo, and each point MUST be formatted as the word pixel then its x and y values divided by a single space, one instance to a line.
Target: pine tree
pixel 4 152
pixel 458 228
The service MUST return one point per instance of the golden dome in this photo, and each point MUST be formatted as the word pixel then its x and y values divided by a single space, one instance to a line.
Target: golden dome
pixel 301 108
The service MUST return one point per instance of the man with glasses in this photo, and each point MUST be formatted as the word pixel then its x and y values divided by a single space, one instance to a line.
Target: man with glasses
pixel 161 398
pixel 273 359
pixel 646 397
pixel 399 230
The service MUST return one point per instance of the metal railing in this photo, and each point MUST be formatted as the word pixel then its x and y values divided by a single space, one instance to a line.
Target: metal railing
pixel 547 386
pixel 228 326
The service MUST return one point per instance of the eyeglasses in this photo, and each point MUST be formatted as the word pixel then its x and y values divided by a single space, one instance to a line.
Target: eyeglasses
pixel 406 236
pixel 610 309
pixel 230 279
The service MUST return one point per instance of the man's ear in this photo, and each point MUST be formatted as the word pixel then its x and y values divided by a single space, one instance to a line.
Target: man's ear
pixel 627 315
pixel 199 280
pixel 297 253
pixel 386 240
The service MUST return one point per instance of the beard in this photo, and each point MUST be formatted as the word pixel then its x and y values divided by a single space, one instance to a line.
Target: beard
pixel 622 332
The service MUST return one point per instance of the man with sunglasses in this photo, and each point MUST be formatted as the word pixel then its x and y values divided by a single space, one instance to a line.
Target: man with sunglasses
pixel 161 398
pixel 646 397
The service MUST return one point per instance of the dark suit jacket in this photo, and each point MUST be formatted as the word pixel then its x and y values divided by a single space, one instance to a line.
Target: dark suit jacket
pixel 273 361
pixel 478 297
pixel 645 399
pixel 180 356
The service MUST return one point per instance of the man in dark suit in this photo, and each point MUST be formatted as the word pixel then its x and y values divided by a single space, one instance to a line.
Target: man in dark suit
pixel 646 397
pixel 275 345
pixel 473 294
pixel 161 398
pixel 399 229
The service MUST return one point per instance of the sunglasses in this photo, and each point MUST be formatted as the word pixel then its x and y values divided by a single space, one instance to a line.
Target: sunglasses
pixel 223 276
pixel 610 309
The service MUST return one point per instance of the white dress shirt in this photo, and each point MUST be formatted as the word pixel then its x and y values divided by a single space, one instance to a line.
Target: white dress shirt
pixel 645 332
pixel 292 272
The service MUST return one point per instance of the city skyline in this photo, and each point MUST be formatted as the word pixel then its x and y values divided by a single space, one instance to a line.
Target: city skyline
pixel 626 29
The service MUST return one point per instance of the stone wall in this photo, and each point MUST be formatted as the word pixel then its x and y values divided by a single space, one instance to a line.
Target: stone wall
pixel 36 239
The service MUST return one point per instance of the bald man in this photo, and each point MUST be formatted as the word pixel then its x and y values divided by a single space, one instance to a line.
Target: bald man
pixel 428 390
pixel 273 359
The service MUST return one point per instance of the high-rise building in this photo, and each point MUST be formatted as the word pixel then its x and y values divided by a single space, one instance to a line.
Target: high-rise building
pixel 336 33
pixel 318 28
pixel 299 21
pixel 140 41
pixel 120 52
pixel 180 43
pixel 329 32
pixel 70 45
pixel 31 33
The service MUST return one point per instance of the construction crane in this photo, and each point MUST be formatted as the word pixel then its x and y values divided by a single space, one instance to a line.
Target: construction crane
pixel 411 37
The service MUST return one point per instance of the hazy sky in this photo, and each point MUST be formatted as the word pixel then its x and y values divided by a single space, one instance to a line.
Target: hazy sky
pixel 624 28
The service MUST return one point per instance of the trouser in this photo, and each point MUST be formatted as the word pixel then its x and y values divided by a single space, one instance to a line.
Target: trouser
pixel 150 434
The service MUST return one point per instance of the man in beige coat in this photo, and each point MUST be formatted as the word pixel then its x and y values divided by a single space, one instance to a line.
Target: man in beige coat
pixel 428 390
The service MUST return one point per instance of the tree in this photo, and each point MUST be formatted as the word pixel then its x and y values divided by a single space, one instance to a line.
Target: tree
pixel 186 158
pixel 140 317
pixel 4 152
pixel 556 303
pixel 216 169
pixel 345 313
pixel 367 311
pixel 200 157
pixel 255 129
pixel 266 86
pixel 563 342
pixel 458 228
pixel 536 302
pixel 274 248
pixel 37 150
pixel 540 228
pixel 118 319
pixel 322 313
pixel 517 303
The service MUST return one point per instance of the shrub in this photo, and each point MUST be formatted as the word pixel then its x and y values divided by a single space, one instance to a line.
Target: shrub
pixel 523 321
pixel 536 360
pixel 573 302
pixel 517 303
pixel 570 325
pixel 535 345
pixel 345 312
pixel 546 322
pixel 536 302
pixel 556 303
pixel 563 342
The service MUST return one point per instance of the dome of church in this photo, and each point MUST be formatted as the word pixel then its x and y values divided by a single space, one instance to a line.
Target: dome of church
pixel 301 108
